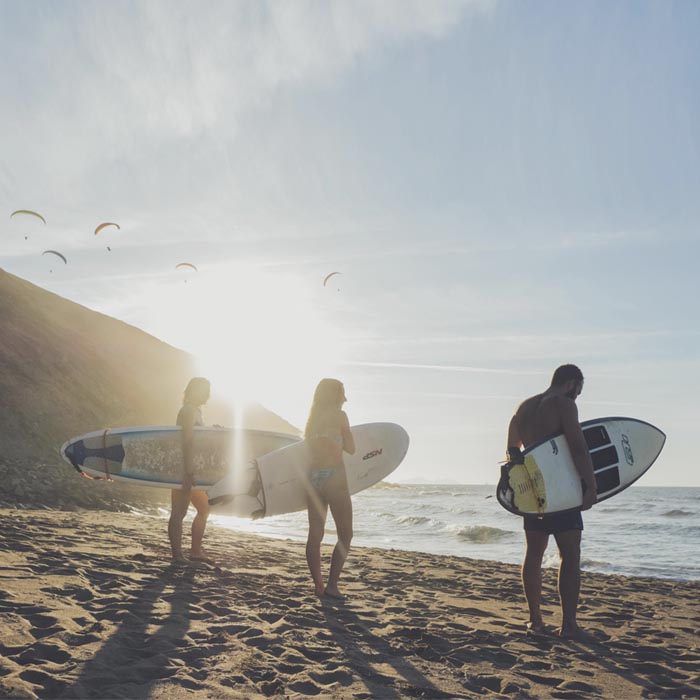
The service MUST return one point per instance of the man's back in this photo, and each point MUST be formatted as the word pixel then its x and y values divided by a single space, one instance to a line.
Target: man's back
pixel 540 416
pixel 537 418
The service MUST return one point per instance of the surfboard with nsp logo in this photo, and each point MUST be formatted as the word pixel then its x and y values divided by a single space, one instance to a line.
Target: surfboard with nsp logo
pixel 621 449
pixel 280 482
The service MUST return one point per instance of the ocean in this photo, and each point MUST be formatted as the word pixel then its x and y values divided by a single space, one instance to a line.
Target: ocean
pixel 644 531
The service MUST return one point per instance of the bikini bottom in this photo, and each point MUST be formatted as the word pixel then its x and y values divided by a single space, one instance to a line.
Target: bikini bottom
pixel 318 477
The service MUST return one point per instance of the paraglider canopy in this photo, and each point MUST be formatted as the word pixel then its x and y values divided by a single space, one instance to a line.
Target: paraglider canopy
pixel 28 212
pixel 107 223
pixel 55 252
pixel 329 276
pixel 194 267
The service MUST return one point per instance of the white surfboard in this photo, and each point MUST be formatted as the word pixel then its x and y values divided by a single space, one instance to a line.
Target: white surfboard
pixel 279 482
pixel 621 449
pixel 151 455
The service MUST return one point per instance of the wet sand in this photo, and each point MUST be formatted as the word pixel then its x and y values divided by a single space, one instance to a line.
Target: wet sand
pixel 91 608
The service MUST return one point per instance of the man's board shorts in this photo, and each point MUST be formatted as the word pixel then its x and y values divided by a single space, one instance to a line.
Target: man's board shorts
pixel 552 524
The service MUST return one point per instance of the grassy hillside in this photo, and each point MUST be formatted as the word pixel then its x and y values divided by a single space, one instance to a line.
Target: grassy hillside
pixel 67 370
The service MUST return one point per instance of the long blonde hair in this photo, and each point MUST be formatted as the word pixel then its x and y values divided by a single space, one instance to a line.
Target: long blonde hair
pixel 328 398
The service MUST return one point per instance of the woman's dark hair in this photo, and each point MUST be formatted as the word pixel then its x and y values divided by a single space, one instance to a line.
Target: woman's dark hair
pixel 197 386
pixel 566 373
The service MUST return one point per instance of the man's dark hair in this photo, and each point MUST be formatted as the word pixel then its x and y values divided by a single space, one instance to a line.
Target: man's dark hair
pixel 566 373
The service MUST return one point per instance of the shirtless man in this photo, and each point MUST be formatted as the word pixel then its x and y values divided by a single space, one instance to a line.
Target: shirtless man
pixel 539 417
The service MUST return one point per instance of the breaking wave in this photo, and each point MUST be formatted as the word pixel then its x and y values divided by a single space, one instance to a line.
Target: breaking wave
pixel 482 534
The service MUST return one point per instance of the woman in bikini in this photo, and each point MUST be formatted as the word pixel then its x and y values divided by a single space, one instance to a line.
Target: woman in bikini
pixel 190 415
pixel 328 436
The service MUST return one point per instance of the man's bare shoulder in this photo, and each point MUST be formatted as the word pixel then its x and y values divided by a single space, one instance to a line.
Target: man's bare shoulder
pixel 553 403
pixel 529 403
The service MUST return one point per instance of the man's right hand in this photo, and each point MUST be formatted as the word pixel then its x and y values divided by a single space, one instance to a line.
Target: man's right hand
pixel 590 497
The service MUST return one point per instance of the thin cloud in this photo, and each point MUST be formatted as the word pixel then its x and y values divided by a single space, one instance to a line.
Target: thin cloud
pixel 540 338
pixel 445 368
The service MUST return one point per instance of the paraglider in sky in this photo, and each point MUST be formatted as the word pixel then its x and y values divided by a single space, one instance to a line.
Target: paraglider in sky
pixel 55 252
pixel 329 276
pixel 107 223
pixel 28 212
pixel 194 267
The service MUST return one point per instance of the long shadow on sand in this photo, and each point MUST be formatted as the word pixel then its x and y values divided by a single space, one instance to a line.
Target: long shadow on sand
pixel 133 658
pixel 365 650
pixel 650 668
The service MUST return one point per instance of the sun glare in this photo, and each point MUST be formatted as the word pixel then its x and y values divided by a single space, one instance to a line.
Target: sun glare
pixel 258 336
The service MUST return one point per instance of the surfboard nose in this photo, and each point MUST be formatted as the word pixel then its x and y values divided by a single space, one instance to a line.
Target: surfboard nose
pixel 659 440
pixel 74 452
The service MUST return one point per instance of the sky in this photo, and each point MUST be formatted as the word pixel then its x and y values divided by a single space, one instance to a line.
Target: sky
pixel 503 186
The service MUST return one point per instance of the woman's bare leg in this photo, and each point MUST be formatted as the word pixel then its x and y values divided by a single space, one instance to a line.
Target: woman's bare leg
pixel 318 510
pixel 341 509
pixel 180 501
pixel 200 501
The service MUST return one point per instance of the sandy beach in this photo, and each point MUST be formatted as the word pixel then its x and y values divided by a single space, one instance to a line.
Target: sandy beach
pixel 90 608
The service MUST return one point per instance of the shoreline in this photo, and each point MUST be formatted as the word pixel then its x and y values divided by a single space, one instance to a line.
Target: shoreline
pixel 161 514
pixel 90 608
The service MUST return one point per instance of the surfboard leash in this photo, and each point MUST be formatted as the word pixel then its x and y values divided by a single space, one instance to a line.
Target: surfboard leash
pixel 108 476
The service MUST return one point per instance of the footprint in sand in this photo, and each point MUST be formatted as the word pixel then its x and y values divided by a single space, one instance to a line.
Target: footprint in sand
pixel 39 633
pixel 304 687
pixel 234 681
pixel 653 669
pixel 487 681
pixel 259 674
pixel 42 621
pixel 326 678
pixel 270 617
pixel 534 666
pixel 262 642
pixel 272 688
pixel 196 613
pixel 583 689
pixel 550 681
pixel 460 627
pixel 111 614
pixel 217 610
pixel 250 632
pixel 82 595
pixel 22 609
pixel 79 640
pixel 317 654
pixel 290 669
pixel 186 682
pixel 51 687
pixel 41 653
pixel 504 660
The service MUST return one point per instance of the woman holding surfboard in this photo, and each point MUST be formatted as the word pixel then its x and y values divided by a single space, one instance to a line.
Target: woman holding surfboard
pixel 328 435
pixel 190 415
